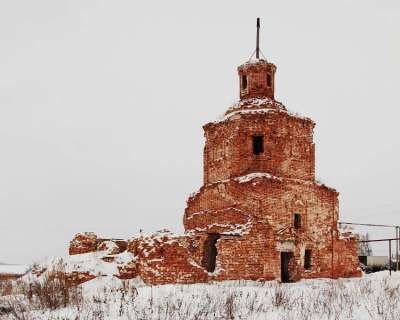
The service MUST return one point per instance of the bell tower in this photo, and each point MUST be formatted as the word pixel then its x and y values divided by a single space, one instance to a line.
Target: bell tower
pixel 257 76
pixel 260 214
pixel 258 134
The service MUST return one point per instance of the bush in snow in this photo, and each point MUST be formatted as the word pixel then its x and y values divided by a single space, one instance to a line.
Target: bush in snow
pixel 53 290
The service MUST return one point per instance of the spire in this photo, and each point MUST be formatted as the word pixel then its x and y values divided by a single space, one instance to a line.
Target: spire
pixel 257 76
pixel 258 39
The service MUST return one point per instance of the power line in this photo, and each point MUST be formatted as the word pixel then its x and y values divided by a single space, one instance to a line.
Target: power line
pixel 369 224
pixel 377 240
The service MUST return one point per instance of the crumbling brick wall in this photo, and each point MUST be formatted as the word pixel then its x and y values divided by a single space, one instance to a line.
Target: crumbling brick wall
pixel 167 258
pixel 89 242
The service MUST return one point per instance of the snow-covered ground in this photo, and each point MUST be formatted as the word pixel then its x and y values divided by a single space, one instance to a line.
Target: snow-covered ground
pixel 375 296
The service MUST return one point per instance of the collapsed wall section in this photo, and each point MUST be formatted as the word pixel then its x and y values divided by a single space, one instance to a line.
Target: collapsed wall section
pixel 167 258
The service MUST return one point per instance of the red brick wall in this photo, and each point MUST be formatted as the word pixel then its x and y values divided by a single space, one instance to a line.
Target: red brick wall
pixel 256 74
pixel 288 147
pixel 89 242
pixel 260 212
pixel 167 258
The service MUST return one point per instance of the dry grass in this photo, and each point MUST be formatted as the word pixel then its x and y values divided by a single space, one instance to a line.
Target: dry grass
pixel 51 292
pixel 325 300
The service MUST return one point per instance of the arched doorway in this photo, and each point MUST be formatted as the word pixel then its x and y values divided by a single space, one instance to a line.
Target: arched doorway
pixel 210 252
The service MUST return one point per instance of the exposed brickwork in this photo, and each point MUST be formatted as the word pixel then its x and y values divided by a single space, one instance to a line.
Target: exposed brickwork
pixel 89 242
pixel 167 258
pixel 288 145
pixel 260 208
pixel 257 79
pixel 83 243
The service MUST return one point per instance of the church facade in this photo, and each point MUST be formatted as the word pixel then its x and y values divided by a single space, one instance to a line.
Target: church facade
pixel 260 214
pixel 261 211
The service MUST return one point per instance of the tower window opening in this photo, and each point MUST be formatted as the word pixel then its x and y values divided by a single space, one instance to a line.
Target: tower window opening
pixel 258 144
pixel 269 80
pixel 244 82
pixel 297 220
pixel 307 259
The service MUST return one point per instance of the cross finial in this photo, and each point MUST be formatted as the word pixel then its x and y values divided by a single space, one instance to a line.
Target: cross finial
pixel 258 39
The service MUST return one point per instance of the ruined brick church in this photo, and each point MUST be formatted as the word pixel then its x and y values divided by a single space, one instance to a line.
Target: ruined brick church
pixel 260 214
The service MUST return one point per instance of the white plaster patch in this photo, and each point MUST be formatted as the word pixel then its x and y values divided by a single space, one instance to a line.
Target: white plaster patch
pixel 285 246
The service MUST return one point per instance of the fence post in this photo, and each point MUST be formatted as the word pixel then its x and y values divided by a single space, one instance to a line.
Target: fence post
pixel 397 249
pixel 390 257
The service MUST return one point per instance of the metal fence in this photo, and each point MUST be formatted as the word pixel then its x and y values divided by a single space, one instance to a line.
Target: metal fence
pixel 396 240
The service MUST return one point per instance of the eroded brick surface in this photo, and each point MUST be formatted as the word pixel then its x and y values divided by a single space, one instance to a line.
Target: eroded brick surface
pixel 89 242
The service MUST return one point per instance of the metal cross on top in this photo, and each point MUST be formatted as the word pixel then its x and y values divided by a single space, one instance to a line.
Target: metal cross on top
pixel 258 39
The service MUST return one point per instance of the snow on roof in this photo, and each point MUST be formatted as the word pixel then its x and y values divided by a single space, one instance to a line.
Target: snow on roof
pixel 251 176
pixel 265 175
pixel 254 60
pixel 255 102
pixel 13 269
pixel 257 106
pixel 241 112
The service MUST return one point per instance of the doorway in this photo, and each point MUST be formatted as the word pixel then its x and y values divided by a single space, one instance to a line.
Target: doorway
pixel 286 258
pixel 210 252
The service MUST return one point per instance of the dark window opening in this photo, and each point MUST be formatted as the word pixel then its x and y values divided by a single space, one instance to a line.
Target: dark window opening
pixel 286 261
pixel 307 259
pixel 244 82
pixel 297 220
pixel 258 144
pixel 210 252
pixel 269 80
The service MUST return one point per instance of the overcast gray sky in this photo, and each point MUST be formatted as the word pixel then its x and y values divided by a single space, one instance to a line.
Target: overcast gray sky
pixel 102 103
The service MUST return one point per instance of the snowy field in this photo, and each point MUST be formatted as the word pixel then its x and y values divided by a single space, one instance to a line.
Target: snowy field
pixel 375 296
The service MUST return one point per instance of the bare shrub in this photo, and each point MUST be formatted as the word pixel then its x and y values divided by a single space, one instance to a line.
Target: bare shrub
pixel 319 299
pixel 230 306
pixel 16 308
pixel 5 287
pixel 365 287
pixel 52 291
pixel 280 296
